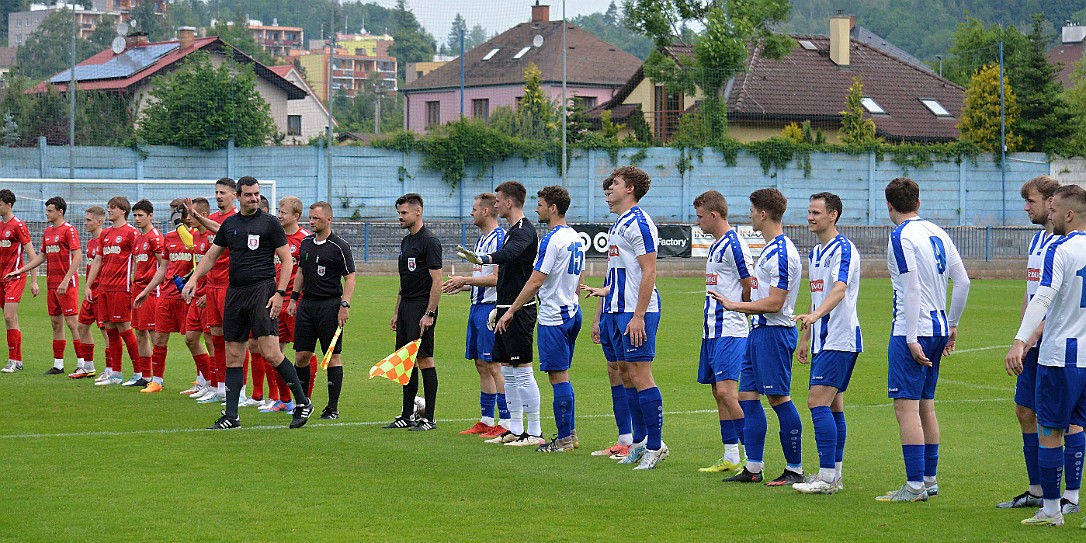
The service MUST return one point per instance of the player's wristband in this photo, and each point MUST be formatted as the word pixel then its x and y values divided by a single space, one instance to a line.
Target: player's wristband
pixel 295 295
pixel 431 314
pixel 282 293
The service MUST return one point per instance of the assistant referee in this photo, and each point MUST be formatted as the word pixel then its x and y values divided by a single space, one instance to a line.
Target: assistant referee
pixel 324 260
pixel 253 298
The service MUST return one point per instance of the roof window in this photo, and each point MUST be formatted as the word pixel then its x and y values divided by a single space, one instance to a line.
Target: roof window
pixel 935 107
pixel 871 105
pixel 491 54
pixel 522 52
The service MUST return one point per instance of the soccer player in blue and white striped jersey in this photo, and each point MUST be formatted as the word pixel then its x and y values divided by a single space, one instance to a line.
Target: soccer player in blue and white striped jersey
pixel 1036 193
pixel 556 277
pixel 729 272
pixel 772 341
pixel 831 331
pixel 1060 304
pixel 921 258
pixel 480 338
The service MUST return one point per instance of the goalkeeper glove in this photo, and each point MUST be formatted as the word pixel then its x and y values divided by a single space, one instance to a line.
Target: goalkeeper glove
pixel 466 254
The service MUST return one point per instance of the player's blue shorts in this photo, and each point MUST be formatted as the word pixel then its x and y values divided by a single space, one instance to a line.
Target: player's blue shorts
pixel 1061 396
pixel 1025 389
pixel 480 341
pixel 833 369
pixel 556 343
pixel 721 359
pixel 616 345
pixel 907 379
pixel 768 365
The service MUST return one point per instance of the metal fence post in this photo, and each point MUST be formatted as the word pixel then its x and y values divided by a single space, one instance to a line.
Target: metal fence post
pixel 987 243
pixel 366 242
pixel 464 234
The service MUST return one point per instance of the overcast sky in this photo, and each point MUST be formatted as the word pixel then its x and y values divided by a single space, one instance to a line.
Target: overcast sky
pixel 496 16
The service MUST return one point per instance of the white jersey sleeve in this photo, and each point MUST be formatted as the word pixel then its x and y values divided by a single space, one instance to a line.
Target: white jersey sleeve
pixel 633 235
pixel 485 245
pixel 728 263
pixel 561 258
pixel 778 266
pixel 917 245
pixel 1064 270
pixel 836 262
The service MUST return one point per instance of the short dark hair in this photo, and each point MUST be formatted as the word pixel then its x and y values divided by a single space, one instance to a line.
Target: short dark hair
pixel 1074 196
pixel 772 201
pixel 227 182
pixel 264 203
pixel 58 203
pixel 1043 184
pixel 412 198
pixel 7 197
pixel 514 190
pixel 247 181
pixel 556 195
pixel 144 206
pixel 632 176
pixel 712 200
pixel 833 202
pixel 903 194
pixel 120 202
pixel 322 205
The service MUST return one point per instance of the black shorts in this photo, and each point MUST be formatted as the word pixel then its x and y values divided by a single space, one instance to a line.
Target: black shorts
pixel 407 327
pixel 245 312
pixel 316 320
pixel 515 345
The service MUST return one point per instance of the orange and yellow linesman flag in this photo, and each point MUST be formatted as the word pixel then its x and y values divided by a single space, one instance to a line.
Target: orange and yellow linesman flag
pixel 331 349
pixel 397 366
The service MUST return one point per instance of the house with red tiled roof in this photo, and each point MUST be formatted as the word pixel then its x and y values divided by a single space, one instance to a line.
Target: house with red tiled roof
pixel 1069 52
pixel 906 99
pixel 131 71
pixel 494 73
pixel 306 118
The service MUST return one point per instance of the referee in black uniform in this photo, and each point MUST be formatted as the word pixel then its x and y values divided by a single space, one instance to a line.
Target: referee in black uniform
pixel 253 298
pixel 324 260
pixel 416 309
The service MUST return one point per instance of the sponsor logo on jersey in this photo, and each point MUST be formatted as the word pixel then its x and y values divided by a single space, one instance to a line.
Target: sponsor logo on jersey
pixel 118 240
pixel 111 250
pixel 754 282
pixel 612 250
pixel 253 242
pixel 178 257
pixel 818 285
pixel 142 257
pixel 50 249
pixel 411 263
pixel 710 279
pixel 5 243
pixel 1033 274
pixel 477 268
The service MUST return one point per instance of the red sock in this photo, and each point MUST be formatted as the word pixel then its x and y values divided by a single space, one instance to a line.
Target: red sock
pixel 158 361
pixel 245 369
pixel 58 348
pixel 15 345
pixel 258 366
pixel 130 344
pixel 313 365
pixel 77 346
pixel 270 374
pixel 86 350
pixel 203 365
pixel 114 349
pixel 220 358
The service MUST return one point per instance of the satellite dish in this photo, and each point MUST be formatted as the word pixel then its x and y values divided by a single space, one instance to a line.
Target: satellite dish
pixel 122 29
pixel 537 40
pixel 118 45
pixel 133 24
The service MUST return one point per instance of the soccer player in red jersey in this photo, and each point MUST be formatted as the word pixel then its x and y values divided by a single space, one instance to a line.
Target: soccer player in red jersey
pixel 61 248
pixel 14 242
pixel 110 284
pixel 88 310
pixel 196 319
pixel 149 258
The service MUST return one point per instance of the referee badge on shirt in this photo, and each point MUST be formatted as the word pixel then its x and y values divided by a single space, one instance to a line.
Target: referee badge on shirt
pixel 254 241
pixel 320 271
pixel 411 263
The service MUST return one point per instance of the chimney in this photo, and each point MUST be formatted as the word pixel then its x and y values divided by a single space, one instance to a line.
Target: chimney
pixel 1073 33
pixel 141 38
pixel 839 39
pixel 541 13
pixel 186 35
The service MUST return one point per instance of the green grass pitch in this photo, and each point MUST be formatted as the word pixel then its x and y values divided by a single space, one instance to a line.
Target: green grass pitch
pixel 86 463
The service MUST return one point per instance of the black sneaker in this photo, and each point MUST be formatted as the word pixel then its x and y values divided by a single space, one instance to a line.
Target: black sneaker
pixel 225 423
pixel 788 478
pixel 424 425
pixel 744 476
pixel 329 414
pixel 301 415
pixel 401 422
pixel 140 383
pixel 54 371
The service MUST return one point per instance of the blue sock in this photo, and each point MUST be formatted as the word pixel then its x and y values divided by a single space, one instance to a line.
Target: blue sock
pixel 740 425
pixel 503 408
pixel 728 435
pixel 1029 451
pixel 621 409
pixel 652 411
pixel 825 436
pixel 486 403
pixel 839 420
pixel 1073 449
pixel 931 459
pixel 791 433
pixel 635 415
pixel 914 463
pixel 754 429
pixel 563 408
pixel 1050 462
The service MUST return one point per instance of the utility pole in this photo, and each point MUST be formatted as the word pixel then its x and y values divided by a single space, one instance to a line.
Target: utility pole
pixel 71 102
pixel 331 99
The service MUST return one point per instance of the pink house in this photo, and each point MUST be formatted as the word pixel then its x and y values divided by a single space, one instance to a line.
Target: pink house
pixel 494 73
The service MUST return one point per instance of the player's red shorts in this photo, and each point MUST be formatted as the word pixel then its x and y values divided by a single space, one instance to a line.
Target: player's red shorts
pixel 172 315
pixel 143 317
pixel 66 305
pixel 11 292
pixel 89 314
pixel 195 320
pixel 115 306
pixel 216 305
pixel 286 326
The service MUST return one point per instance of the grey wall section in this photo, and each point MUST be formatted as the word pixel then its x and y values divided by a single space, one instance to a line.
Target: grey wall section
pixel 366 181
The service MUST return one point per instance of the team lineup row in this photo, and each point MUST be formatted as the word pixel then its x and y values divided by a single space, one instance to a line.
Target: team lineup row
pixel 521 285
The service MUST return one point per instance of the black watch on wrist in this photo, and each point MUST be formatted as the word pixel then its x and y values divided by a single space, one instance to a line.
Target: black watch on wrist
pixel 431 314
pixel 345 304
pixel 295 295
pixel 281 293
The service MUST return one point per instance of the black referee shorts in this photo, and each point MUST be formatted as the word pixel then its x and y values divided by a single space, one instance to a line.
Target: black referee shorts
pixel 316 320
pixel 245 312
pixel 408 329
pixel 515 345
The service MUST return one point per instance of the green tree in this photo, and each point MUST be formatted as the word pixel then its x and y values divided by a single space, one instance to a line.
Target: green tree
pixel 1045 122
pixel 459 26
pixel 1076 102
pixel 104 32
pixel 980 117
pixel 855 129
pixel 476 37
pixel 412 42
pixel 150 23
pixel 204 107
pixel 48 50
pixel 719 50
pixel 976 45
pixel 608 27
pixel 236 33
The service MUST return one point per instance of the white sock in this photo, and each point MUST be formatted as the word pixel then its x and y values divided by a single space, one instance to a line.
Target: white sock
pixel 1035 490
pixel 1051 507
pixel 837 470
pixel 512 399
pixel 489 421
pixel 58 363
pixel 1071 495
pixel 529 391
pixel 731 452
pixel 754 467
pixel 221 390
pixel 137 375
pixel 156 380
pixel 200 381
pixel 243 395
pixel 929 480
pixel 88 366
pixel 827 474
pixel 625 439
pixel 79 362
pixel 919 485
